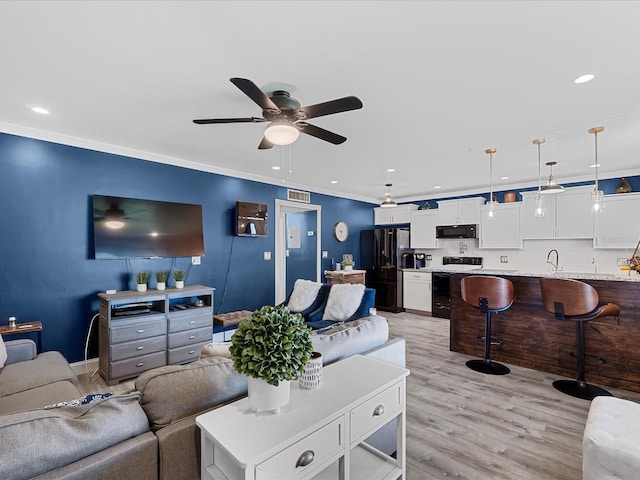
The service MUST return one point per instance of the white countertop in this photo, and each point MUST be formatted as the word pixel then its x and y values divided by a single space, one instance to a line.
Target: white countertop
pixel 617 277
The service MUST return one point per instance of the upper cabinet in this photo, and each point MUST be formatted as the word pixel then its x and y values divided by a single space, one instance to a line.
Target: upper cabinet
pixel 400 214
pixel 566 215
pixel 423 228
pixel 460 212
pixel 617 226
pixel 503 230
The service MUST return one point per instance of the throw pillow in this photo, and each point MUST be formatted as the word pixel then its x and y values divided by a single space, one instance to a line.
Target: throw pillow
pixel 3 352
pixel 343 301
pixel 92 397
pixel 303 294
pixel 216 350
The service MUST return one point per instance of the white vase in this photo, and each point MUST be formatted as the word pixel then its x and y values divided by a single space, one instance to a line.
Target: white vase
pixel 266 397
pixel 179 283
pixel 348 268
pixel 141 287
pixel 162 285
pixel 311 376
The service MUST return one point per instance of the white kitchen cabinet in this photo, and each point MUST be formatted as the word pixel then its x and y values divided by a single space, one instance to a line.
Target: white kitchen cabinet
pixel 618 225
pixel 503 230
pixel 566 215
pixel 416 291
pixel 400 214
pixel 464 211
pixel 423 228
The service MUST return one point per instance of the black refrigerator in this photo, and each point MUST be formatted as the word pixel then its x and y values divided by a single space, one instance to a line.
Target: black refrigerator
pixel 380 253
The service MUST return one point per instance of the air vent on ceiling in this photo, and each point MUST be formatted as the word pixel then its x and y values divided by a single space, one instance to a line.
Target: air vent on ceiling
pixel 298 196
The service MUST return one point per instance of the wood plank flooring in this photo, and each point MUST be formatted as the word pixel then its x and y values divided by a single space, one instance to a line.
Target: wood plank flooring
pixel 467 425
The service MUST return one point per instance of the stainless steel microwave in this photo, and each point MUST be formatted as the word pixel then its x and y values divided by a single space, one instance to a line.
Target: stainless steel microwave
pixel 456 231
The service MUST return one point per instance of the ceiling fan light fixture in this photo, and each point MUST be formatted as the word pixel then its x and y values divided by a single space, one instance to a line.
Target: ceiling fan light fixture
pixel 388 202
pixel 552 186
pixel 281 133
pixel 114 224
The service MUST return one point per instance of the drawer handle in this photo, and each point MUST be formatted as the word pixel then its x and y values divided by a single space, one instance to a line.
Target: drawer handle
pixel 379 410
pixel 140 331
pixel 305 459
pixel 191 352
pixel 140 364
pixel 192 322
pixel 191 337
pixel 139 348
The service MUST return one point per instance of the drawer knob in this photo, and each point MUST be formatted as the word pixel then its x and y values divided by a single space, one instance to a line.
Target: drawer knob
pixel 192 322
pixel 139 348
pixel 379 410
pixel 305 459
pixel 140 331
pixel 191 352
pixel 140 364
pixel 191 337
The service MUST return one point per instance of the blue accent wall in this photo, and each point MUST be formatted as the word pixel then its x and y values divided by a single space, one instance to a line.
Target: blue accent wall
pixel 48 272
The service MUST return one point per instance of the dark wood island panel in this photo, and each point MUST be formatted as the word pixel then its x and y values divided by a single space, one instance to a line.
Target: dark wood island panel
pixel 531 337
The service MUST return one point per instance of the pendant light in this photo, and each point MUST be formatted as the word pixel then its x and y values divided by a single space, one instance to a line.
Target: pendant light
pixel 597 194
pixel 387 202
pixel 539 211
pixel 491 151
pixel 551 186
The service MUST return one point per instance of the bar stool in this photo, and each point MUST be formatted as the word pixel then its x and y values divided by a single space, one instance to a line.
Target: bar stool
pixel 489 294
pixel 574 300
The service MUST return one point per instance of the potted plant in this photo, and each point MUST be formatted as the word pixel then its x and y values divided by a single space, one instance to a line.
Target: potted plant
pixel 347 265
pixel 178 276
pixel 142 278
pixel 161 279
pixel 271 347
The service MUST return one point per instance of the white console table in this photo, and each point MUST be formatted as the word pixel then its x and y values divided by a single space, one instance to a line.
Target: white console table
pixel 319 434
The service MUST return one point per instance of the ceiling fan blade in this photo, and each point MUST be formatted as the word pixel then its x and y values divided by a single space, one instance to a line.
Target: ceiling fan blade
pixel 333 106
pixel 251 90
pixel 321 133
pixel 265 144
pixel 229 120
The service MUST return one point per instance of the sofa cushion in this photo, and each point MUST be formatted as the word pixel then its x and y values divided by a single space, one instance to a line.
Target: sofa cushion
pixel 3 352
pixel 343 301
pixel 59 436
pixel 38 397
pixel 303 294
pixel 216 349
pixel 46 368
pixel 350 338
pixel 176 391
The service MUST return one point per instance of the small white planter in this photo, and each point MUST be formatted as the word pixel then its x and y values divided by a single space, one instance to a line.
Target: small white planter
pixel 348 268
pixel 162 285
pixel 266 397
pixel 311 377
pixel 179 283
pixel 141 287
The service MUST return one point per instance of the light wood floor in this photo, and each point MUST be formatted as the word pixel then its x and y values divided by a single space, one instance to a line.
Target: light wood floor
pixel 469 426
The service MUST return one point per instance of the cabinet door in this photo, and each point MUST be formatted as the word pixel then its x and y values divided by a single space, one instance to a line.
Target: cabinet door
pixel 617 226
pixel 538 227
pixel 503 230
pixel 402 213
pixel 448 212
pixel 383 216
pixel 416 290
pixel 423 229
pixel 469 210
pixel 574 218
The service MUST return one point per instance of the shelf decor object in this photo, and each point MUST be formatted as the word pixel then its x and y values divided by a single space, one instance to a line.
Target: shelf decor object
pixel 597 194
pixel 623 186
pixel 492 202
pixel 161 279
pixel 142 278
pixel 539 211
pixel 178 276
pixel 311 377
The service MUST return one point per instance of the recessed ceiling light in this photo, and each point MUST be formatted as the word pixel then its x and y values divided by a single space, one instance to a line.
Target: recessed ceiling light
pixel 584 78
pixel 504 178
pixel 334 181
pixel 275 167
pixel 437 186
pixel 40 110
pixel 390 170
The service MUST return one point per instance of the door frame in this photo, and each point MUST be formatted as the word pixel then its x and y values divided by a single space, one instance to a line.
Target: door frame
pixel 282 208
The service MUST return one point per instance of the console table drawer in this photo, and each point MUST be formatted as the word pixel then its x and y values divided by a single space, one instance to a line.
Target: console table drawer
pixel 143 346
pixel 138 330
pixel 188 323
pixel 190 337
pixel 320 448
pixel 186 354
pixel 375 412
pixel 133 367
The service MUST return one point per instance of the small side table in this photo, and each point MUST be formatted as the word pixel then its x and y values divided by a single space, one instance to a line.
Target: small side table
pixel 6 330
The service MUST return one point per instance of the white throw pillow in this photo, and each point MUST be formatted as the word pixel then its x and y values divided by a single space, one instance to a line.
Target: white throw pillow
pixel 3 352
pixel 343 301
pixel 303 295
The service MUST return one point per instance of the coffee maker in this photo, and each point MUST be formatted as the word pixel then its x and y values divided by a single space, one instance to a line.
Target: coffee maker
pixel 420 260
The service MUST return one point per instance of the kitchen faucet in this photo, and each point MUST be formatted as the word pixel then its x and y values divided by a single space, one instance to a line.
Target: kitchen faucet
pixel 554 265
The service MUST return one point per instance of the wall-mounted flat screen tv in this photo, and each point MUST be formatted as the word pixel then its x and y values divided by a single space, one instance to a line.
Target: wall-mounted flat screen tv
pixel 136 228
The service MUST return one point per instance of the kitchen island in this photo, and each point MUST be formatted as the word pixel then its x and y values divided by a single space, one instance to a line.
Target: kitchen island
pixel 531 337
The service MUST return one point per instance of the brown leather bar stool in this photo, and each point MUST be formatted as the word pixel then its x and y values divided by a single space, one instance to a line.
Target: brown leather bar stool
pixel 489 294
pixel 578 301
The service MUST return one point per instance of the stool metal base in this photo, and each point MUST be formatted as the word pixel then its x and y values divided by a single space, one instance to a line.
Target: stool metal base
pixel 488 366
pixel 580 390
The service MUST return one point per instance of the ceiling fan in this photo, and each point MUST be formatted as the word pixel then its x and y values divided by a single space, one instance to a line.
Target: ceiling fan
pixel 286 117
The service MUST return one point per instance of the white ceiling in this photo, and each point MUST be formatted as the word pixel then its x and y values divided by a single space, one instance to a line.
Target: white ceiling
pixel 440 83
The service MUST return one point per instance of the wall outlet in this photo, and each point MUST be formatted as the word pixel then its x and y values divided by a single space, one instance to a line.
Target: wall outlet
pixel 504 259
pixel 429 257
pixel 325 254
pixel 267 255
pixel 622 262
pixel 195 260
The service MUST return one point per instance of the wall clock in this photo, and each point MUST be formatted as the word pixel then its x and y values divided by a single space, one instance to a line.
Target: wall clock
pixel 341 231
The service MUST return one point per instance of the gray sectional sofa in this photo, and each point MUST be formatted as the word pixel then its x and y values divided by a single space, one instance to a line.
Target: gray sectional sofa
pixel 150 433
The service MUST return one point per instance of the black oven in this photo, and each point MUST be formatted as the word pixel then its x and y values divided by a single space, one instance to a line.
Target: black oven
pixel 441 295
